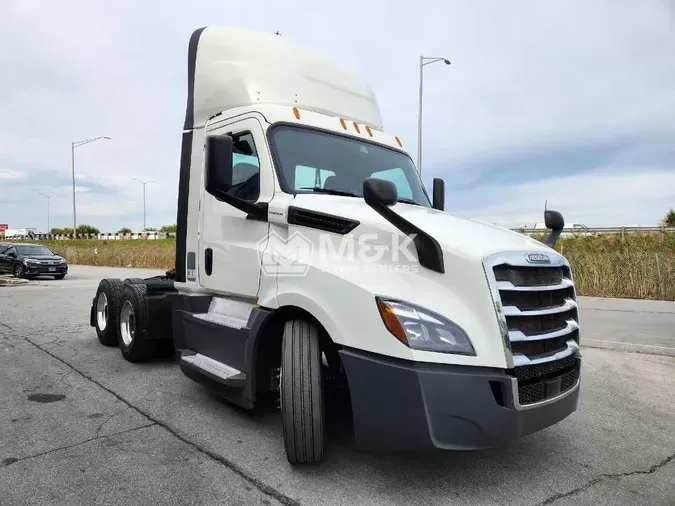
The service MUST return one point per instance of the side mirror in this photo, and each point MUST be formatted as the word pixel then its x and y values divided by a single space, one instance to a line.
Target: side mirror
pixel 439 194
pixel 554 220
pixel 218 164
pixel 556 223
pixel 379 192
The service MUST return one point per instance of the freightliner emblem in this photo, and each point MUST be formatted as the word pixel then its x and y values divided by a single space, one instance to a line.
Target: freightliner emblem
pixel 538 258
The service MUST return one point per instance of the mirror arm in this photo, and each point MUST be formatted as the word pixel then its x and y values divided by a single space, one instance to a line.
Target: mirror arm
pixel 255 211
pixel 428 250
pixel 552 237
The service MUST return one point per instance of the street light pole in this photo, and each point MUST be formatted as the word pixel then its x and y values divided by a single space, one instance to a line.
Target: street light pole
pixel 48 197
pixel 143 183
pixel 73 145
pixel 424 60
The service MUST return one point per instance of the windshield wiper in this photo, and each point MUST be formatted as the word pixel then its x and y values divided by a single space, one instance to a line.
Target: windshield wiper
pixel 332 192
pixel 408 201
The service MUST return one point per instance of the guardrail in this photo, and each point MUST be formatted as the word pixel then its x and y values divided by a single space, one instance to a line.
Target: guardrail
pixel 599 230
pixel 164 235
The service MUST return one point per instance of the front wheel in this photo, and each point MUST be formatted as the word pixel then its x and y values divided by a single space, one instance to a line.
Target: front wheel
pixel 301 393
pixel 19 271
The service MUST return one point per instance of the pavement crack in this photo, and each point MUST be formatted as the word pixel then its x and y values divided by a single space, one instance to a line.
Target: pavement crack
pixel 98 431
pixel 6 326
pixel 606 476
pixel 238 470
pixel 9 462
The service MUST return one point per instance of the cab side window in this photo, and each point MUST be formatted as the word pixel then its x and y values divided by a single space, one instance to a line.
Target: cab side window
pixel 11 252
pixel 245 167
pixel 3 249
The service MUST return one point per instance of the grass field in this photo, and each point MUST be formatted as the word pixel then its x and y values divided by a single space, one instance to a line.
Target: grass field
pixel 637 266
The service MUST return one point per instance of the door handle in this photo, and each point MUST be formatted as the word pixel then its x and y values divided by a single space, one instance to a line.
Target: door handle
pixel 208 261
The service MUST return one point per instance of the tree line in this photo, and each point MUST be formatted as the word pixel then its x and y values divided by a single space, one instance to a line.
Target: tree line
pixel 669 219
pixel 91 230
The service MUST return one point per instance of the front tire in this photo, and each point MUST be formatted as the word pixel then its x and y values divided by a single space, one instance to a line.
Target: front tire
pixel 59 276
pixel 106 306
pixel 19 271
pixel 301 393
pixel 131 325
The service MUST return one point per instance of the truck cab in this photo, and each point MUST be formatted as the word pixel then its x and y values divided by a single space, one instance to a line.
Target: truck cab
pixel 308 251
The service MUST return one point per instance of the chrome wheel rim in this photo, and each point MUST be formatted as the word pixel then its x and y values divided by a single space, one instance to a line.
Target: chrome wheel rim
pixel 18 270
pixel 127 323
pixel 102 311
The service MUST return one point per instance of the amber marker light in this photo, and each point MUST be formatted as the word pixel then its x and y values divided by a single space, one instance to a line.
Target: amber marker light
pixel 391 321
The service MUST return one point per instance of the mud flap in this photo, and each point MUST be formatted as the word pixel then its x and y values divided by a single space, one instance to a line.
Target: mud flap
pixel 92 313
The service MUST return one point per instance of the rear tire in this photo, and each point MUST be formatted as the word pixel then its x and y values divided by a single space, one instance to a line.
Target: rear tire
pixel 301 393
pixel 106 305
pixel 134 281
pixel 131 325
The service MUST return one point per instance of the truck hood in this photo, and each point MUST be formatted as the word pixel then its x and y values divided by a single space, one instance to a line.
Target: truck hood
pixel 458 236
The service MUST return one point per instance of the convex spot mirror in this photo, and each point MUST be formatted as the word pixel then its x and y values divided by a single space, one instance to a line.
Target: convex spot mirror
pixel 554 220
pixel 379 192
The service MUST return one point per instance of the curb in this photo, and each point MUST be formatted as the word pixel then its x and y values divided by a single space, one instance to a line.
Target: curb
pixel 646 349
pixel 11 281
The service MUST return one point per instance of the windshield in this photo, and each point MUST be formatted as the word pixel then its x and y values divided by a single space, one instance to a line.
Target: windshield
pixel 312 161
pixel 34 250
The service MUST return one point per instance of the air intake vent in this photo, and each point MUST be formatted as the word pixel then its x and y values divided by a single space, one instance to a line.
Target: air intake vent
pixel 321 221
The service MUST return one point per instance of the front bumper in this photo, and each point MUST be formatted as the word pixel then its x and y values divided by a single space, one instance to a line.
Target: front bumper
pixel 404 406
pixel 45 270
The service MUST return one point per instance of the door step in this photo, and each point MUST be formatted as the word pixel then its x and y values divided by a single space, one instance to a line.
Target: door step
pixel 227 312
pixel 220 319
pixel 223 373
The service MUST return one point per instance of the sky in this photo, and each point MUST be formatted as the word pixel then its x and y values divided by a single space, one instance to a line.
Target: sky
pixel 568 102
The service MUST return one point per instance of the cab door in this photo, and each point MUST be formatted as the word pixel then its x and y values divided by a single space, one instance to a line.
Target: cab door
pixel 230 242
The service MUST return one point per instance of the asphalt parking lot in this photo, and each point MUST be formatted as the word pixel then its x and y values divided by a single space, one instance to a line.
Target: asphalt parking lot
pixel 80 425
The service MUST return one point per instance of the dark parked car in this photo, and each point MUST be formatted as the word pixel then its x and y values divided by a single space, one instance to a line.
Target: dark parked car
pixel 30 260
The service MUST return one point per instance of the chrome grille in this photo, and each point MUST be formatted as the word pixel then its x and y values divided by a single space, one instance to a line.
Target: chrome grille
pixel 537 309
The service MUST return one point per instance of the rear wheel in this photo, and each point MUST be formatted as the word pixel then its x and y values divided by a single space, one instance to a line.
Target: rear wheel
pixel 131 327
pixel 134 281
pixel 106 309
pixel 301 393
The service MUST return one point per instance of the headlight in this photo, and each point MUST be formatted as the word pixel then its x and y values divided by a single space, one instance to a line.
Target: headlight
pixel 421 329
pixel 31 261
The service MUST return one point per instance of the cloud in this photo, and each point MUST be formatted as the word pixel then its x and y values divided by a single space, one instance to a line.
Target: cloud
pixel 612 200
pixel 9 175
pixel 569 101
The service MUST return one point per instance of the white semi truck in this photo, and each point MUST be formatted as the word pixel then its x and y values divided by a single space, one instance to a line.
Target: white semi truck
pixel 467 339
